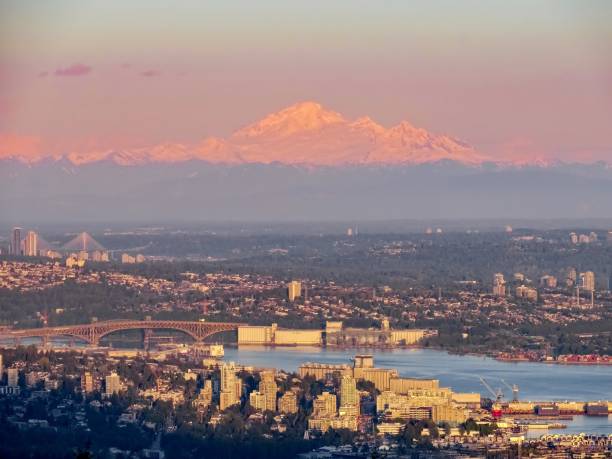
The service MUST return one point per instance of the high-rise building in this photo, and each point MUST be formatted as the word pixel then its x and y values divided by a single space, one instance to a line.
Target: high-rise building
pixel 573 238
pixel 324 405
pixel 287 404
pixel 16 241
pixel 13 377
pixel 548 281
pixel 87 383
pixel 99 256
pixel 204 398
pixel 31 244
pixel 499 285
pixel 570 279
pixel 267 386
pixel 257 400
pixel 523 291
pixel 127 258
pixel 113 384
pixel 587 281
pixel 294 290
pixel 231 386
pixel 349 397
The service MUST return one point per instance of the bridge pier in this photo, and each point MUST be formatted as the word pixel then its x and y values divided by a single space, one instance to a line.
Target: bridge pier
pixel 147 338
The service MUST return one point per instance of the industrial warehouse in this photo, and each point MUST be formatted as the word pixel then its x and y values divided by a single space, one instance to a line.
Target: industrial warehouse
pixel 334 334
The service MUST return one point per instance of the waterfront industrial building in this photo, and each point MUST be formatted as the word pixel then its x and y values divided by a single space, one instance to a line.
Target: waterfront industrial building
pixel 334 334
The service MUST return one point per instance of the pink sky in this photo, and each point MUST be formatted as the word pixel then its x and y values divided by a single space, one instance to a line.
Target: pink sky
pixel 533 78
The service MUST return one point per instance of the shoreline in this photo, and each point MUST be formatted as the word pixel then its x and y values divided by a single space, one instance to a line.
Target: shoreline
pixel 387 348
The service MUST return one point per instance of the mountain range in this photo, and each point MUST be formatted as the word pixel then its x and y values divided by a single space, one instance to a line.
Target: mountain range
pixel 302 163
pixel 303 134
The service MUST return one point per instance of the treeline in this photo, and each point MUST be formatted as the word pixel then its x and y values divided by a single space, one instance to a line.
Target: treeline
pixel 71 303
pixel 424 261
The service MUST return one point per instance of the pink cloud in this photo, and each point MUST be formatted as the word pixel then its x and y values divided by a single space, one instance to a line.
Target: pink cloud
pixel 73 70
pixel 43 74
pixel 150 73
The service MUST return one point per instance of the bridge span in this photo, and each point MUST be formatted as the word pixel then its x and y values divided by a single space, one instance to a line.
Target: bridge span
pixel 93 332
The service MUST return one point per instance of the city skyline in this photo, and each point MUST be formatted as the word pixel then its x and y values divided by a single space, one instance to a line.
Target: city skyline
pixel 302 230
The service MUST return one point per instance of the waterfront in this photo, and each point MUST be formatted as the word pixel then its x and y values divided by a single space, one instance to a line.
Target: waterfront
pixel 536 381
pixel 580 424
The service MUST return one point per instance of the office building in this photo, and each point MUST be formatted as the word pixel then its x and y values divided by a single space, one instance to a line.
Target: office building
pixel 112 384
pixel 294 290
pixel 31 244
pixel 16 241
pixel 287 404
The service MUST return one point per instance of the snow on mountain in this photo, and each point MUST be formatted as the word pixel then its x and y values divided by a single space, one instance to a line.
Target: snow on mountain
pixel 303 134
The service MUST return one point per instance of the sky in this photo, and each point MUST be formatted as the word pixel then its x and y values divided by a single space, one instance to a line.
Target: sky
pixel 514 79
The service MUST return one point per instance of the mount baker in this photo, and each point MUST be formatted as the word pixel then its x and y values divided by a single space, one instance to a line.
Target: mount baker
pixel 303 134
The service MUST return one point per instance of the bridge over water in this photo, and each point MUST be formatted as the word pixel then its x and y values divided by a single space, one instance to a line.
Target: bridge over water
pixel 93 332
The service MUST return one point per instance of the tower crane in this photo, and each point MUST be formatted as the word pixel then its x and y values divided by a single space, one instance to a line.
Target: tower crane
pixel 498 394
pixel 514 388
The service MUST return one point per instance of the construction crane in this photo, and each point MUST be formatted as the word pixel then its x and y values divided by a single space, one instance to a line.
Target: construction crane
pixel 499 395
pixel 514 388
